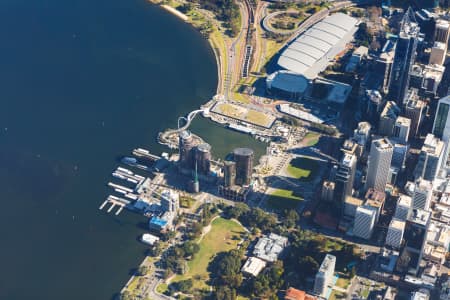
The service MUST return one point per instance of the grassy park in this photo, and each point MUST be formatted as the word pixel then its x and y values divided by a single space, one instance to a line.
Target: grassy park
pixel 283 199
pixel 224 235
pixel 302 168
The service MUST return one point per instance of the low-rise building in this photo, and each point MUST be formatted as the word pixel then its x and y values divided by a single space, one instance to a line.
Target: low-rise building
pixel 253 266
pixel 294 294
pixel 270 247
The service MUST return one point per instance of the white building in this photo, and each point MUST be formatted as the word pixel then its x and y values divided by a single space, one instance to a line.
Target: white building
pixel 253 266
pixel 441 125
pixel 395 233
pixel 422 194
pixel 325 275
pixel 379 163
pixel 401 129
pixel 438 54
pixel 441 31
pixel 430 158
pixel 269 247
pixel 421 294
pixel 364 222
pixel 403 209
pixel 310 53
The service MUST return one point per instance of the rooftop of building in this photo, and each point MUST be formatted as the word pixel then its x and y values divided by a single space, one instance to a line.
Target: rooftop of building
pixel 403 121
pixel 294 294
pixel 353 201
pixel 270 247
pixel 438 233
pixel 397 224
pixel 366 210
pixel 329 184
pixel 439 45
pixel 327 263
pixel 305 55
pixel 404 200
pixel 441 23
pixel 420 216
pixel 287 81
pixel 391 110
pixel 423 185
pixel 375 196
pixel 432 143
pixel 348 159
pixel 253 266
pixel 243 152
pixel 349 146
pixel 382 143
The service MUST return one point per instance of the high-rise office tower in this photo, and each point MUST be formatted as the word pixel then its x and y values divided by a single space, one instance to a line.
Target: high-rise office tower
pixel 401 129
pixel 325 275
pixel 379 163
pixel 388 117
pixel 415 237
pixel 405 55
pixel 361 136
pixel 186 145
pixel 243 157
pixel 364 224
pixel 438 54
pixel 395 233
pixel 422 194
pixel 441 126
pixel 328 191
pixel 414 110
pixel 229 173
pixel 203 158
pixel 404 207
pixel 441 31
pixel 383 65
pixel 430 158
pixel 344 178
pixel 399 155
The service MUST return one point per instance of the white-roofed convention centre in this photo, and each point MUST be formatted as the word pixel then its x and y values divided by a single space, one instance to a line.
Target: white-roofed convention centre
pixel 310 53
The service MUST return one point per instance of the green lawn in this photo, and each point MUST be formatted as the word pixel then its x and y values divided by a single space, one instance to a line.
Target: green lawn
pixel 162 288
pixel 335 295
pixel 311 139
pixel 223 236
pixel 343 282
pixel 284 199
pixel 302 168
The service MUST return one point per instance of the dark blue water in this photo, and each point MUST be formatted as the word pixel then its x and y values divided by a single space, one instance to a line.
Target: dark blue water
pixel 81 83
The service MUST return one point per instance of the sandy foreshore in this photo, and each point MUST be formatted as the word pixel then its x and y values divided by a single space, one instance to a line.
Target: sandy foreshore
pixel 175 12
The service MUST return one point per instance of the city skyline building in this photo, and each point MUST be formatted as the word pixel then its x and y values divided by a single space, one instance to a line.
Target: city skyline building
pixel 379 163
pixel 243 157
pixel 405 55
pixel 395 233
pixel 430 158
pixel 344 178
pixel 364 224
pixel 324 275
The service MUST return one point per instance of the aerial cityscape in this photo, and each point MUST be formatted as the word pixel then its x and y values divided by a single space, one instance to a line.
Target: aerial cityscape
pixel 319 171
pixel 350 199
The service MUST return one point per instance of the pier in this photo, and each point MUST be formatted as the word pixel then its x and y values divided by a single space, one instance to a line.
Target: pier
pixel 114 201
pixel 145 154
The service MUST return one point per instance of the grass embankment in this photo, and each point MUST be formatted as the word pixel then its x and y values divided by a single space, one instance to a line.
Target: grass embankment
pixel 224 235
pixel 284 199
pixel 311 139
pixel 303 168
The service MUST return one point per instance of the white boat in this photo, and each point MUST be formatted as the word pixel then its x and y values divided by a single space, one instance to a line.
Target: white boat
pixel 149 239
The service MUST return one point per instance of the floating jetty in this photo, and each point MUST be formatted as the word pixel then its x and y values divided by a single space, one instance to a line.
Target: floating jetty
pixel 114 201
pixel 145 154
pixel 127 175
